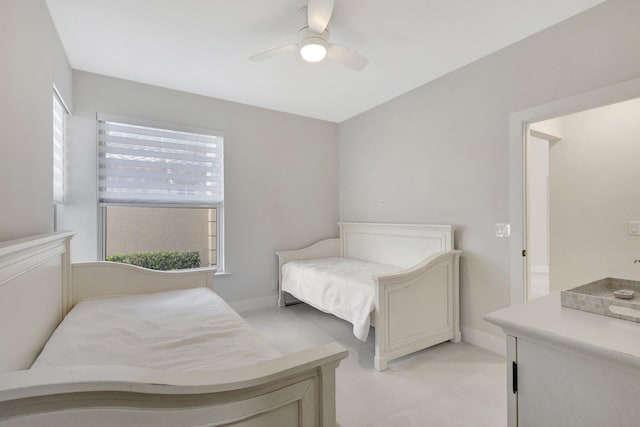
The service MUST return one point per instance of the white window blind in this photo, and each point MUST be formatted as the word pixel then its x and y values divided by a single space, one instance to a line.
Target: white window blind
pixel 139 163
pixel 59 113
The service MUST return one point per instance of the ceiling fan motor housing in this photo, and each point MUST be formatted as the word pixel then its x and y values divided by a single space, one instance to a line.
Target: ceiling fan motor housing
pixel 305 33
pixel 307 36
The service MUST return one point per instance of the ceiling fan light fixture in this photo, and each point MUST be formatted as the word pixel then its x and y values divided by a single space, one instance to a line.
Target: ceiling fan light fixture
pixel 313 50
pixel 313 38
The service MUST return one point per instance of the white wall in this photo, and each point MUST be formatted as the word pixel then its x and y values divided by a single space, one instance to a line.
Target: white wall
pixel 281 185
pixel 594 178
pixel 440 153
pixel 31 62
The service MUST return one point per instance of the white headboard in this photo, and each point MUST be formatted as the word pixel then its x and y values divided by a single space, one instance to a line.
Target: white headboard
pixel 35 294
pixel 400 245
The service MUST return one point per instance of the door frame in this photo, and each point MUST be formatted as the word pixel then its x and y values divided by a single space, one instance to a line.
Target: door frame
pixel 518 127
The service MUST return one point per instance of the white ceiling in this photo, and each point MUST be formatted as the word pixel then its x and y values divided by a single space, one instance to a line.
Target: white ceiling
pixel 203 46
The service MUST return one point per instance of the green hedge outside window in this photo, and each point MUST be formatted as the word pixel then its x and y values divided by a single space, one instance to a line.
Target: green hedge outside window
pixel 166 260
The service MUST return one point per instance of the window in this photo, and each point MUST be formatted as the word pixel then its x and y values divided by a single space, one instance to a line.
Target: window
pixel 59 118
pixel 161 190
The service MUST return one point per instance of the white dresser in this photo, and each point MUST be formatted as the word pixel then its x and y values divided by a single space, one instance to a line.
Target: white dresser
pixel 569 368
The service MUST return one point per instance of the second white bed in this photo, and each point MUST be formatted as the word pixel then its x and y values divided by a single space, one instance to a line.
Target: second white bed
pixel 413 304
pixel 192 329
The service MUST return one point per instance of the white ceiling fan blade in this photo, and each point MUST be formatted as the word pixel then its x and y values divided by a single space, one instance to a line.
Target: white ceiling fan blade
pixel 274 52
pixel 347 57
pixel 318 14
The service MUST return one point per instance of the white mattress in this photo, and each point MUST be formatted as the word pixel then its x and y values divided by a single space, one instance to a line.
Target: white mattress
pixel 191 329
pixel 343 287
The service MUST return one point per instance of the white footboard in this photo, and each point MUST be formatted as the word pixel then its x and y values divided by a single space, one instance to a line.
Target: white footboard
pixel 417 308
pixel 294 390
pixel 103 278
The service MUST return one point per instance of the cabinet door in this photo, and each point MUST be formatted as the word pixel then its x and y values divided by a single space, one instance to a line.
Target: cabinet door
pixel 559 387
pixel 512 393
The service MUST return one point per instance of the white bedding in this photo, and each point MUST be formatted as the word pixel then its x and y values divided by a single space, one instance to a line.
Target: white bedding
pixel 191 329
pixel 341 286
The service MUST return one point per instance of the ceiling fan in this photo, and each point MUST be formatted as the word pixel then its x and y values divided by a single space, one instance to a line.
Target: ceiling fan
pixel 313 39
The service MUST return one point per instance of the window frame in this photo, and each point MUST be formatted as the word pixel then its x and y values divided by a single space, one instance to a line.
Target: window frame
pixel 102 206
pixel 57 98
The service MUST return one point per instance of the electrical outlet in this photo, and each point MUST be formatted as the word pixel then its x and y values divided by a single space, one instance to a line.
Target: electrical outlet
pixel 274 285
pixel 633 228
pixel 503 230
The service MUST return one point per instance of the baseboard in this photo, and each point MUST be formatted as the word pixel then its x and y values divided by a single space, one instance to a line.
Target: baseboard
pixel 489 342
pixel 254 303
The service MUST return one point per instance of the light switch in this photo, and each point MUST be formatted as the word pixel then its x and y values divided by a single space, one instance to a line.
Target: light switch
pixel 504 230
pixel 633 228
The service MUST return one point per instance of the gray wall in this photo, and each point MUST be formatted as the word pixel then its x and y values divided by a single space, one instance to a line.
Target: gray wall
pixel 437 154
pixel 440 153
pixel 593 188
pixel 32 61
pixel 281 177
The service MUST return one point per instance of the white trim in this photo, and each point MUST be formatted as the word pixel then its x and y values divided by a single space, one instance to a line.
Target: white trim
pixel 159 124
pixel 597 98
pixel 254 303
pixel 486 341
pixel 58 149
pixel 220 266
pixel 545 136
pixel 540 269
pixel 61 99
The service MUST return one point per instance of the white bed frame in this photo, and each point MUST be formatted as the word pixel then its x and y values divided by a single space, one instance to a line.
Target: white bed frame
pixel 38 286
pixel 415 308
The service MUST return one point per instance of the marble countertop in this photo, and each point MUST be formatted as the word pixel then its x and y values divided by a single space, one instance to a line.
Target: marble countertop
pixel 545 321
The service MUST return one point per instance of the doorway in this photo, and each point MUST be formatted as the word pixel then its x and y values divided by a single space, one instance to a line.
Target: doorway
pixel 539 139
pixel 520 123
pixel 579 220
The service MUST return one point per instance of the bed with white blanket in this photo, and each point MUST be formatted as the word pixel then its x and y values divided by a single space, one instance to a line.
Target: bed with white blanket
pixel 184 330
pixel 401 278
pixel 141 348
